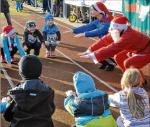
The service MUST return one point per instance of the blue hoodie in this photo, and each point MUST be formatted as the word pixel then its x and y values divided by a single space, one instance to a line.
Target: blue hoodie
pixel 85 89
pixel 14 42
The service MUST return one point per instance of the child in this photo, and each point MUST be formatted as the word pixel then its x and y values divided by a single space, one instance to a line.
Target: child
pixel 51 35
pixel 32 38
pixel 10 45
pixel 88 105
pixel 132 100
pixel 19 5
pixel 33 103
pixel 4 104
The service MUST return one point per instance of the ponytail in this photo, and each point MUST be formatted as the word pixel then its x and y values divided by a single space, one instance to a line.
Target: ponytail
pixel 136 104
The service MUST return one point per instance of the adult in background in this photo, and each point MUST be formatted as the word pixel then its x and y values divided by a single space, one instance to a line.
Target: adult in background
pixel 5 9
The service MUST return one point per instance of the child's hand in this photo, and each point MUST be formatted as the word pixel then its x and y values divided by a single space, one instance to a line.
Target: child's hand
pixel 25 47
pixel 80 35
pixel 70 93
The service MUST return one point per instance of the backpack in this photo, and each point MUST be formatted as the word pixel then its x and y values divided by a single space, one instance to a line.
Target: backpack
pixel 94 106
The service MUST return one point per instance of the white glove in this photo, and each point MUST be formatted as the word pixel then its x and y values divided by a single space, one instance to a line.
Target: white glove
pixel 70 93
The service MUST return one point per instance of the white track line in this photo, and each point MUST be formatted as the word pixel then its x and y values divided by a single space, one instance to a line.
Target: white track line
pixel 100 80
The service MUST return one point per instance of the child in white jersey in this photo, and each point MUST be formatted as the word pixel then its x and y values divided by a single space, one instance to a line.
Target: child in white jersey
pixel 132 100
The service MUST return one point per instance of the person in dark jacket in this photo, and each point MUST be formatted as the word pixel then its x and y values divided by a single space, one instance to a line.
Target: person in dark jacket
pixel 32 38
pixel 33 103
pixel 5 9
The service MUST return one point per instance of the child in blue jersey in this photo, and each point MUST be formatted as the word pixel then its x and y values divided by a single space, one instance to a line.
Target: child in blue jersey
pixel 51 36
pixel 88 105
pixel 10 44
pixel 4 103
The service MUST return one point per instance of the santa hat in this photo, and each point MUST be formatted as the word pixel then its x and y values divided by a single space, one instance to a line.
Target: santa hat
pixel 119 23
pixel 8 30
pixel 100 7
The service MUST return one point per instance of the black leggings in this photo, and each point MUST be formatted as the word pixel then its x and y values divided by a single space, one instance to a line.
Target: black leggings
pixel 12 52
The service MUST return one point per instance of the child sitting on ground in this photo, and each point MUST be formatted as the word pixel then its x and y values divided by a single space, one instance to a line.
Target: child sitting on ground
pixel 32 38
pixel 132 100
pixel 88 105
pixel 33 103
pixel 51 35
pixel 10 44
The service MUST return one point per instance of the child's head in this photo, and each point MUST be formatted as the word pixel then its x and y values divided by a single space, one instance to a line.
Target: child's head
pixel 98 10
pixel 131 79
pixel 31 26
pixel 83 83
pixel 30 67
pixel 9 31
pixel 49 19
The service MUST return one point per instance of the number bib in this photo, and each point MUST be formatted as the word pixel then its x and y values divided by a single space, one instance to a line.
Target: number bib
pixel 31 39
pixel 52 39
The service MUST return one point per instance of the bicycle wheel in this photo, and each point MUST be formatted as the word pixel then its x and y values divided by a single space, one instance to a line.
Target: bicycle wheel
pixel 72 18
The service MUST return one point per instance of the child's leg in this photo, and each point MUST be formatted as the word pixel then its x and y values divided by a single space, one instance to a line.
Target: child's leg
pixel 53 50
pixel 48 52
pixel 13 52
pixel 37 47
pixel 120 122
pixel 2 55
pixel 17 6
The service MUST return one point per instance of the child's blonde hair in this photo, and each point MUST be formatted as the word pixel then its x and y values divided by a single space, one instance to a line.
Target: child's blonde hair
pixel 132 78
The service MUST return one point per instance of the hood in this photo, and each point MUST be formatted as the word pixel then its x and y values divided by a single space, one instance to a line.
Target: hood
pixel 83 83
pixel 48 17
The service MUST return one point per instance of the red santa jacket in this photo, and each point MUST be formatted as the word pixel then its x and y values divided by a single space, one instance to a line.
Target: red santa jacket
pixel 131 41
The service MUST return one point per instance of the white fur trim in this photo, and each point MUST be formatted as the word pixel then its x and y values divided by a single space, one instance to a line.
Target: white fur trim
pixel 11 32
pixel 117 26
pixel 93 58
pixel 88 52
pixel 97 8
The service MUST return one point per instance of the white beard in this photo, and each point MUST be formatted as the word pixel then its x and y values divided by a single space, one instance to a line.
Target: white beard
pixel 115 34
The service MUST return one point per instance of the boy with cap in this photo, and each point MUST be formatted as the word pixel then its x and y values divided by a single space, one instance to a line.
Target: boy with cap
pixel 88 105
pixel 33 103
pixel 10 44
pixel 32 38
pixel 51 36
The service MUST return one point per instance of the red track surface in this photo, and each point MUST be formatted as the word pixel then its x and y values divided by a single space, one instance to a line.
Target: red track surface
pixel 58 72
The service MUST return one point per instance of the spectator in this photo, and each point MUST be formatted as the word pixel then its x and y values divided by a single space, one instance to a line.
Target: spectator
pixel 5 9
pixel 33 100
pixel 46 6
pixel 88 105
pixel 132 100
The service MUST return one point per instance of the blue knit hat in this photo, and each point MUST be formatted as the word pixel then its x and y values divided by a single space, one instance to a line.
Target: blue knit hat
pixel 48 17
pixel 83 83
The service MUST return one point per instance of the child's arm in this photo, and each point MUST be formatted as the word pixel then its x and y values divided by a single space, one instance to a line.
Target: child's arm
pixel 21 51
pixel 58 35
pixel 25 38
pixel 40 36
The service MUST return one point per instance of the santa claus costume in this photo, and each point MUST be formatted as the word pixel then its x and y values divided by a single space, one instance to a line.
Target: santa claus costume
pixel 10 44
pixel 129 47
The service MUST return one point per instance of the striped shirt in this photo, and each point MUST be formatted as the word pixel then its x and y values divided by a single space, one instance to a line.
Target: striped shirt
pixel 120 100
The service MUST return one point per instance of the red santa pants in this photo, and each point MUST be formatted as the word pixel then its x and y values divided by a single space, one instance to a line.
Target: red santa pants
pixel 124 61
